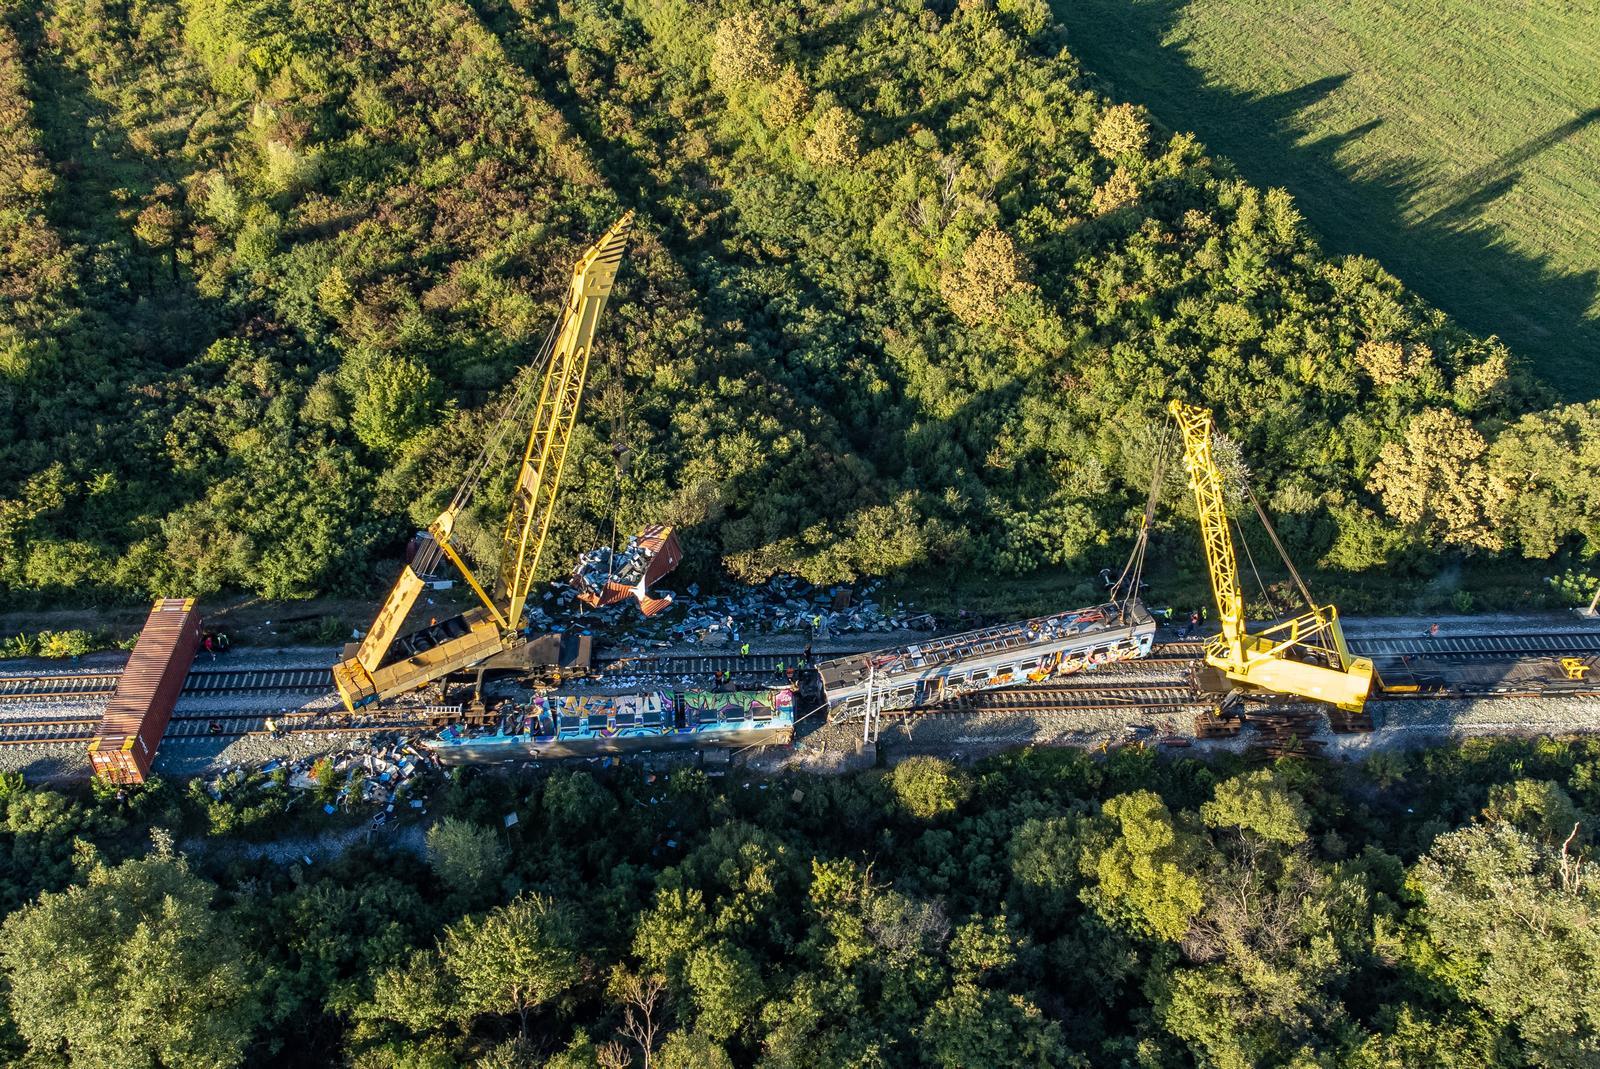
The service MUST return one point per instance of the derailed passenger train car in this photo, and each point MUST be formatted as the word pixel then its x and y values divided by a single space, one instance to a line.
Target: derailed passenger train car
pixel 579 725
pixel 1030 651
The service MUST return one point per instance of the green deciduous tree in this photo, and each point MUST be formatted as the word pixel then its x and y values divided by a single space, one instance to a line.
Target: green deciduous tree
pixel 393 397
pixel 1120 131
pixel 1512 926
pixel 726 987
pixel 1261 804
pixel 991 271
pixel 516 959
pixel 691 1050
pixel 468 857
pixel 976 1026
pixel 929 787
pixel 742 50
pixel 131 968
pixel 835 139
pixel 1544 480
pixel 1146 875
pixel 1432 481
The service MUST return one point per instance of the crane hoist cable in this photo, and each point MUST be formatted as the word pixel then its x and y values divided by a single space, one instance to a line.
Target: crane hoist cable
pixel 1305 656
pixel 619 456
pixel 387 663
pixel 1133 570
pixel 513 414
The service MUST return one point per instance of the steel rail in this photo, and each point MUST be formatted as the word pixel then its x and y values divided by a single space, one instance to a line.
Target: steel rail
pixel 307 678
pixel 193 727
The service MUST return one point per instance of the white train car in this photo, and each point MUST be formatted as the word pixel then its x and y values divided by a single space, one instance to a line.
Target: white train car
pixel 1030 651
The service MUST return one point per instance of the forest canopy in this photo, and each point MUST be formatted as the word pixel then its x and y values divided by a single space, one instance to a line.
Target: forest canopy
pixel 905 292
pixel 1044 909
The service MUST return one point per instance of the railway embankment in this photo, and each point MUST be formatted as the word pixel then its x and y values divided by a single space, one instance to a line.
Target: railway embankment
pixel 1482 675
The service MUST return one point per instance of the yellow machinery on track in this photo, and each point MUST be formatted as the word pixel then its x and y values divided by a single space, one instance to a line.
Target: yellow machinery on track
pixel 388 663
pixel 1305 656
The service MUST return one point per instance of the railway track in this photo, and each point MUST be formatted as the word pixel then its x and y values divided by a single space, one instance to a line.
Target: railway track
pixel 79 730
pixel 1060 699
pixel 1554 644
pixel 25 688
pixel 309 679
pixel 1159 697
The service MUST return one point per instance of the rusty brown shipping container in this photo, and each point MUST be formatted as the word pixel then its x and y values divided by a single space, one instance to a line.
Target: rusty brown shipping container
pixel 137 715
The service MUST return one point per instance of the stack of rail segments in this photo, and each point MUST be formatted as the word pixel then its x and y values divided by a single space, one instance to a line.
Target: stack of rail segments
pixel 136 716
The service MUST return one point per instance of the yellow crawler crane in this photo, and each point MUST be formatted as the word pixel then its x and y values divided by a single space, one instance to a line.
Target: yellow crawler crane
pixel 388 663
pixel 1305 656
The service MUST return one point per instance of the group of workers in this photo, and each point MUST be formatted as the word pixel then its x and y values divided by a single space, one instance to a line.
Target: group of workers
pixel 214 642
pixel 1196 619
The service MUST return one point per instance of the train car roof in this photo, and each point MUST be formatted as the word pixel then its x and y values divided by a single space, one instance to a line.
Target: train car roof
pixel 936 652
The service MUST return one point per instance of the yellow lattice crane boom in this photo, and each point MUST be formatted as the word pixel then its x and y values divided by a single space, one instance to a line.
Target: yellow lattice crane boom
pixel 388 663
pixel 1305 656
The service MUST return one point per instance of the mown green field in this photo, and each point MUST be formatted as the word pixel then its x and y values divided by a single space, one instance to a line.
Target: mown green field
pixel 1458 141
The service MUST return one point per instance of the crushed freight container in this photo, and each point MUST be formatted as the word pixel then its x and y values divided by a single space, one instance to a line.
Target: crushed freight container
pixel 136 717
pixel 605 576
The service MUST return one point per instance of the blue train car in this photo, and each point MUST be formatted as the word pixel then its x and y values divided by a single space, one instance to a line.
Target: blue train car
pixel 580 725
pixel 1031 651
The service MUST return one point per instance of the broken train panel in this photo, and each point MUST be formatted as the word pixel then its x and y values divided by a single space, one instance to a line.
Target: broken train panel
pixel 1029 651
pixel 606 577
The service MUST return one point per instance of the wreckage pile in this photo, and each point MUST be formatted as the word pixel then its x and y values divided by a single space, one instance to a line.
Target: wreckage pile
pixel 381 774
pixel 600 566
pixel 782 605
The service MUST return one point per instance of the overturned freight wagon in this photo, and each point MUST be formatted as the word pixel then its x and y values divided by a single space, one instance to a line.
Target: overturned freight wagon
pixel 136 717
pixel 606 577
pixel 1030 651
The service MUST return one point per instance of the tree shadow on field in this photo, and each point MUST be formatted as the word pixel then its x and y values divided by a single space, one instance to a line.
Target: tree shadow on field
pixel 1451 258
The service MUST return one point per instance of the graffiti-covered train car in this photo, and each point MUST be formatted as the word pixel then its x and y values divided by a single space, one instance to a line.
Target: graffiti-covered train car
pixel 578 725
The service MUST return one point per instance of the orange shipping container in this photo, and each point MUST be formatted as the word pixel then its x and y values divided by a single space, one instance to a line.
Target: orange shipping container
pixel 136 716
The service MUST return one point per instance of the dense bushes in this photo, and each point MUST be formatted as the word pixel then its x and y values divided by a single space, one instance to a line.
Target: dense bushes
pixel 1044 908
pixel 905 293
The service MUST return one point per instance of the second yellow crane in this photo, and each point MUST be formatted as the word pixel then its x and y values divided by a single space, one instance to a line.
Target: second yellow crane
pixel 1305 656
